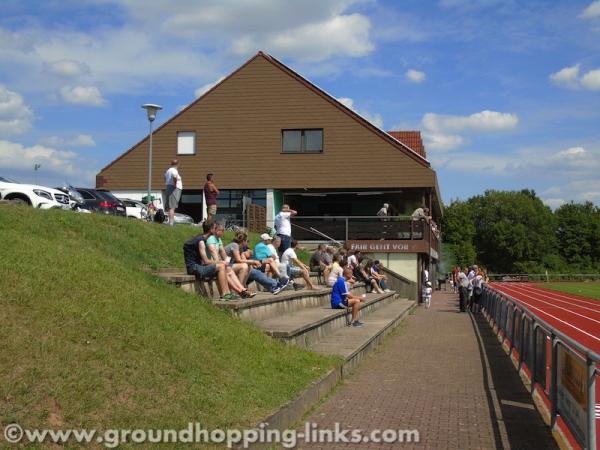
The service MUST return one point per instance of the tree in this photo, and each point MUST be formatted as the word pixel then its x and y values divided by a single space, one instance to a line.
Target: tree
pixel 458 232
pixel 578 234
pixel 514 231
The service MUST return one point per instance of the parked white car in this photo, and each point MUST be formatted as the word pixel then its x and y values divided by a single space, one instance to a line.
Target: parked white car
pixel 134 208
pixel 30 194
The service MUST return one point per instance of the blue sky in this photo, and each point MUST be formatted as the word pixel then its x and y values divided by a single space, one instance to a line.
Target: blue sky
pixel 506 93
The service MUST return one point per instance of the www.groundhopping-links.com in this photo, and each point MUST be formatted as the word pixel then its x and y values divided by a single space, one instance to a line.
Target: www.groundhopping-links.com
pixel 195 434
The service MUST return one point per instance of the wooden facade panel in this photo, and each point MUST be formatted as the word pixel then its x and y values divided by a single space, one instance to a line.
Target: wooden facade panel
pixel 238 128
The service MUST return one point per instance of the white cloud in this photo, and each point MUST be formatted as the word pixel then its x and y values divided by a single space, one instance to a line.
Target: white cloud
pixel 207 87
pixel 482 121
pixel 192 42
pixel 554 202
pixel 68 68
pixel 415 76
pixel 342 35
pixel 591 80
pixel 573 171
pixel 17 157
pixel 439 130
pixel 15 115
pixel 592 11
pixel 374 118
pixel 347 102
pixel 567 77
pixel 82 140
pixel 82 95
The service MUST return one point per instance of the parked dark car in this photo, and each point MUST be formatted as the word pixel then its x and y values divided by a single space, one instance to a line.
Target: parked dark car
pixel 103 202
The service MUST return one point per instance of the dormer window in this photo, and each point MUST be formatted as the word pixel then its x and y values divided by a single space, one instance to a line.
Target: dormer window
pixel 302 141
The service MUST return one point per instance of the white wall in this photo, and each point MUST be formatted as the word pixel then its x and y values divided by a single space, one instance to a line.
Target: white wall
pixel 404 264
pixel 270 208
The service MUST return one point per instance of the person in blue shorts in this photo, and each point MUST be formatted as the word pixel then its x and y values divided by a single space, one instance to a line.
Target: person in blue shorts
pixel 341 298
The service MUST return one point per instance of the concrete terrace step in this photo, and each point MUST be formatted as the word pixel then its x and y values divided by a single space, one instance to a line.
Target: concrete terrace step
pixel 188 283
pixel 265 305
pixel 309 325
pixel 354 343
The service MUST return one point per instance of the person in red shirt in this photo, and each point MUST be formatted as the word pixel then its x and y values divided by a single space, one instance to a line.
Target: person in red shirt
pixel 210 194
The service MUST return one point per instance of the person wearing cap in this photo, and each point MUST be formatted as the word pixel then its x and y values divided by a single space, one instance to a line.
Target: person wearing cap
pixel 264 254
pixel 283 225
pixel 342 298
pixel 174 186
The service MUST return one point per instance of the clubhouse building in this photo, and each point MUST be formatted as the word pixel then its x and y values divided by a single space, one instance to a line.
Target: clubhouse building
pixel 270 137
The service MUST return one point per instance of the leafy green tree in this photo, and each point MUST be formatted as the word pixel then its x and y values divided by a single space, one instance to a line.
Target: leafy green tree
pixel 578 234
pixel 459 232
pixel 514 231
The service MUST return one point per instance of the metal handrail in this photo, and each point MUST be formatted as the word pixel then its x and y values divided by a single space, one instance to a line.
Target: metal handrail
pixel 557 338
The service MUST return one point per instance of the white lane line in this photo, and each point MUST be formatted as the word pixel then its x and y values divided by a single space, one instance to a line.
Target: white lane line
pixel 560 320
pixel 596 305
pixel 550 297
pixel 553 305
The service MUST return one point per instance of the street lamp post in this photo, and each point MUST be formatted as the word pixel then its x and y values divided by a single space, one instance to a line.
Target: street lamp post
pixel 151 109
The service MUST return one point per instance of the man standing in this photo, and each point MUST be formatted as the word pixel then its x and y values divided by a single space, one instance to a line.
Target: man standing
pixel 210 194
pixel 173 191
pixel 283 226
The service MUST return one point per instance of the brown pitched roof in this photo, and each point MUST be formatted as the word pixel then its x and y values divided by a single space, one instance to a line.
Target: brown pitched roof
pixel 412 139
pixel 420 158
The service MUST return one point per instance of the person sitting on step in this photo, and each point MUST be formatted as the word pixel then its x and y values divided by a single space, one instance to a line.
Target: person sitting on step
pixel 296 268
pixel 269 264
pixel 317 262
pixel 235 253
pixel 198 264
pixel 216 252
pixel 361 273
pixel 342 298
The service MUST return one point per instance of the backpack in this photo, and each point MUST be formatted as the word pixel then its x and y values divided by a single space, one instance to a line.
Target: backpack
pixel 159 217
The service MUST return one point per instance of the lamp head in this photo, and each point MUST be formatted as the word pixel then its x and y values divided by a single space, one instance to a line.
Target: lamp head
pixel 151 109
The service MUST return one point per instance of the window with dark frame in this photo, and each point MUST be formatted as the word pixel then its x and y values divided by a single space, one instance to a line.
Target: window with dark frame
pixel 302 141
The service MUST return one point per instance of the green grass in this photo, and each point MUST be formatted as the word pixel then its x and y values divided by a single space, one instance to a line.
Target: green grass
pixel 87 339
pixel 586 289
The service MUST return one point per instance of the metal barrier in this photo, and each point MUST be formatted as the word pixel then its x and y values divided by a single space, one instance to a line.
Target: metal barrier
pixel 572 368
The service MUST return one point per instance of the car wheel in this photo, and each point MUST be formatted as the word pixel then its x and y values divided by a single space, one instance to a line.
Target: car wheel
pixel 20 201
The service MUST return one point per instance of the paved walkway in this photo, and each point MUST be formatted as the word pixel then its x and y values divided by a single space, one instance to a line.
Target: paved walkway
pixel 443 374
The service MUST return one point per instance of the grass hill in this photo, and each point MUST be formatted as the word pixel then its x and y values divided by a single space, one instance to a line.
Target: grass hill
pixel 88 339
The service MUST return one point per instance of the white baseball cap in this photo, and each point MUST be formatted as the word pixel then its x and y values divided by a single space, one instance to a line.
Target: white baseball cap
pixel 266 237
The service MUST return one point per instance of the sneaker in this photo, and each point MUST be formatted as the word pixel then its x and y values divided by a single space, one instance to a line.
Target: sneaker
pixel 247 294
pixel 230 296
pixel 283 284
pixel 387 290
pixel 357 324
pixel 276 290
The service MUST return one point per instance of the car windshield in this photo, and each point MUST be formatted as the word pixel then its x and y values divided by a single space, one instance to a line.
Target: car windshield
pixel 8 180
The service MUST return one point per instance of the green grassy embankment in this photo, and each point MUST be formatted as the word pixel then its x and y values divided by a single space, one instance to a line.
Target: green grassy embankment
pixel 586 289
pixel 89 340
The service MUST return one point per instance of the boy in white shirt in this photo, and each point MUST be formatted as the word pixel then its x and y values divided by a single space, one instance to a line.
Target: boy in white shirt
pixel 427 291
pixel 296 267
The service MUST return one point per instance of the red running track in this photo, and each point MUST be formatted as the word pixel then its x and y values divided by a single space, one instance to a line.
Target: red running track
pixel 577 317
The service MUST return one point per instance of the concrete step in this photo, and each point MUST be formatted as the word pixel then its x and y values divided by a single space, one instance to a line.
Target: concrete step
pixel 207 289
pixel 307 326
pixel 266 306
pixel 354 343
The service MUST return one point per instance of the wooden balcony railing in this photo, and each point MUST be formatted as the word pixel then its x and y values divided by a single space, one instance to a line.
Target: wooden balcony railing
pixel 366 228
